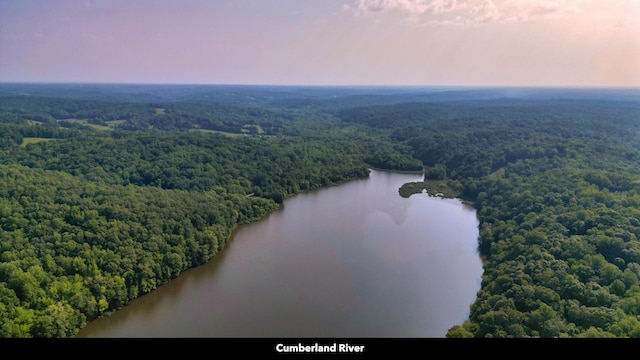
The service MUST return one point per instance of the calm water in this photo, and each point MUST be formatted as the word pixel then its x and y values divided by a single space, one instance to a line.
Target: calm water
pixel 355 260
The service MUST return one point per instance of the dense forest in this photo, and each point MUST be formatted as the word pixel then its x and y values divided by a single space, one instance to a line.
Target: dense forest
pixel 109 191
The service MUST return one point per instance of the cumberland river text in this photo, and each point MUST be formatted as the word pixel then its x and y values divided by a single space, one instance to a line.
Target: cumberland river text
pixel 317 348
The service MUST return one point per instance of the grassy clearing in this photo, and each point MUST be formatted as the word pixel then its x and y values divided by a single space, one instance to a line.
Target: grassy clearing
pixel 32 140
pixel 115 122
pixel 218 132
pixel 257 129
pixel 34 122
pixel 498 174
pixel 100 127
pixel 85 122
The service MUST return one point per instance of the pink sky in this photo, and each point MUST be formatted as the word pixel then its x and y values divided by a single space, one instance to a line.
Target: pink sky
pixel 323 42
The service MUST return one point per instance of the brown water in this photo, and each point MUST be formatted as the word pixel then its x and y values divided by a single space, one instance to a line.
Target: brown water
pixel 355 260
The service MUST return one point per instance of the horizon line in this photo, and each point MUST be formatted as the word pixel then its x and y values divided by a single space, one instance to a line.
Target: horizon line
pixel 310 85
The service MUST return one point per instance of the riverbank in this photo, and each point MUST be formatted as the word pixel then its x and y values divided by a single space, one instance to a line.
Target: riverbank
pixel 224 234
pixel 449 189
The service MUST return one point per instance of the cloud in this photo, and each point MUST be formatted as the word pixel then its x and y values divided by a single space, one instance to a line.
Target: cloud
pixel 469 12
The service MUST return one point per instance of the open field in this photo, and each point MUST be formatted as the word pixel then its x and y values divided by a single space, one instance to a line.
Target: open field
pixel 85 122
pixel 32 140
pixel 115 122
pixel 219 132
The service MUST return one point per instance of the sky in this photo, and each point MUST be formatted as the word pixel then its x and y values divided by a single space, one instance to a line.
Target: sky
pixel 573 43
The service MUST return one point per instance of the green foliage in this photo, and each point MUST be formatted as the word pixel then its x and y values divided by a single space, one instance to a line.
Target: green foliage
pixel 441 188
pixel 72 250
pixel 97 218
pixel 438 172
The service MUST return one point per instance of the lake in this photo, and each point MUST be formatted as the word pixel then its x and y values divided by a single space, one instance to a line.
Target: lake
pixel 355 260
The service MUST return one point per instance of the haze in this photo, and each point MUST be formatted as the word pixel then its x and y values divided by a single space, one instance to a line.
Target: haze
pixel 323 42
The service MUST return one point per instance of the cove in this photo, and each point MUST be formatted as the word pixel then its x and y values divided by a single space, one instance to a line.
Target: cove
pixel 354 260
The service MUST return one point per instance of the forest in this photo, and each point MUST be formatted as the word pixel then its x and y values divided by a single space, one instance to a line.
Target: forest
pixel 109 191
